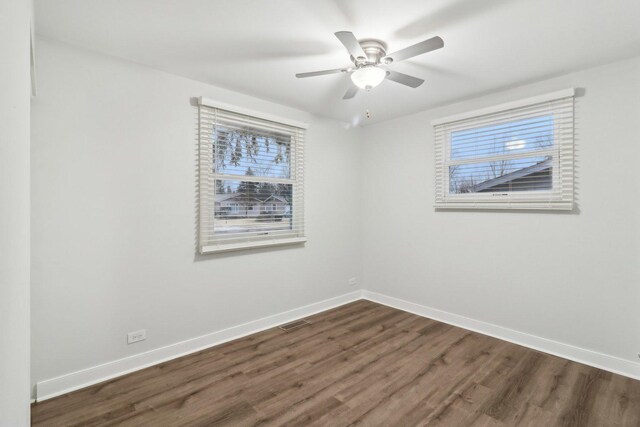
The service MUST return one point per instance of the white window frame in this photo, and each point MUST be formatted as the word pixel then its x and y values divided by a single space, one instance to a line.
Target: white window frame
pixel 560 104
pixel 207 241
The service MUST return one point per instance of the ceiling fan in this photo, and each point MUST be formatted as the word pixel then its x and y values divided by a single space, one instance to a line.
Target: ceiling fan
pixel 369 55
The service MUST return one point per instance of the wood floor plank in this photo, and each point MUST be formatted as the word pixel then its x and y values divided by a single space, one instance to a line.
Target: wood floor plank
pixel 358 364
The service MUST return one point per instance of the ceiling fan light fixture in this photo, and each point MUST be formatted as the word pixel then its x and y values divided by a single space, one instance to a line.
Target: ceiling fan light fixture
pixel 367 55
pixel 368 77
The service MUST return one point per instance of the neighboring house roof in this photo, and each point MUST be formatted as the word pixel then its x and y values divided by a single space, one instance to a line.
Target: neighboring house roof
pixel 276 198
pixel 538 167
pixel 227 196
pixel 233 196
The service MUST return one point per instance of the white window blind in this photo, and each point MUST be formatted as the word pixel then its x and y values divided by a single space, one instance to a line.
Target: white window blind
pixel 513 156
pixel 251 172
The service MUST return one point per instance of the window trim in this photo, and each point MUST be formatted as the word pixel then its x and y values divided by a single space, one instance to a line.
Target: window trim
pixel 561 155
pixel 207 102
pixel 209 247
pixel 553 96
pixel 232 247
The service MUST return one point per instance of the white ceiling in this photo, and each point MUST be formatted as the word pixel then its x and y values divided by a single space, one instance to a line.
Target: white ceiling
pixel 256 46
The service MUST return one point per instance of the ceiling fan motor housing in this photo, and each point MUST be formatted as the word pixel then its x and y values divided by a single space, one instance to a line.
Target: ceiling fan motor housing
pixel 375 50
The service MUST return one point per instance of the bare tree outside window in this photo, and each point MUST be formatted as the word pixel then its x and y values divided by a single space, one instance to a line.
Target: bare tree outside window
pixel 511 161
pixel 255 203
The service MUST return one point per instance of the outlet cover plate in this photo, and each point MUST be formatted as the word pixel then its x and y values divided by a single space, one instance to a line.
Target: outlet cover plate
pixel 136 336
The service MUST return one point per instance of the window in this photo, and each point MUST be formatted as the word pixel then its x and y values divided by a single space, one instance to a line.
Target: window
pixel 249 160
pixel 513 156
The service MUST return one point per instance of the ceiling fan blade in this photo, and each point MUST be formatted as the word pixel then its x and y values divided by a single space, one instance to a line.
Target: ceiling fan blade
pixel 322 73
pixel 351 43
pixel 404 79
pixel 414 50
pixel 351 92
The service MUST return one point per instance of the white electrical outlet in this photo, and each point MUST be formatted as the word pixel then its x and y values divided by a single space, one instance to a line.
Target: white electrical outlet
pixel 353 281
pixel 136 336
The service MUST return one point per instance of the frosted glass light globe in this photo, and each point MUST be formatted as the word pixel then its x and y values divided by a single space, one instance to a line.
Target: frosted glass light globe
pixel 368 77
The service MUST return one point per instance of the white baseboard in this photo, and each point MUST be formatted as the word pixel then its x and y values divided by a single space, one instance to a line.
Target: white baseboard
pixel 566 351
pixel 86 377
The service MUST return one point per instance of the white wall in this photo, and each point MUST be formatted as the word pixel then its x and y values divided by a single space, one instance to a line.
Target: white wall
pixel 114 210
pixel 113 228
pixel 572 278
pixel 15 86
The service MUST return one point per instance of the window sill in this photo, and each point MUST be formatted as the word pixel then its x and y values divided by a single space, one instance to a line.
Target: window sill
pixel 210 249
pixel 534 206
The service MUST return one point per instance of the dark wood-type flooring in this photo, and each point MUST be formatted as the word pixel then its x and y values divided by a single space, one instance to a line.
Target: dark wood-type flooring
pixel 359 364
